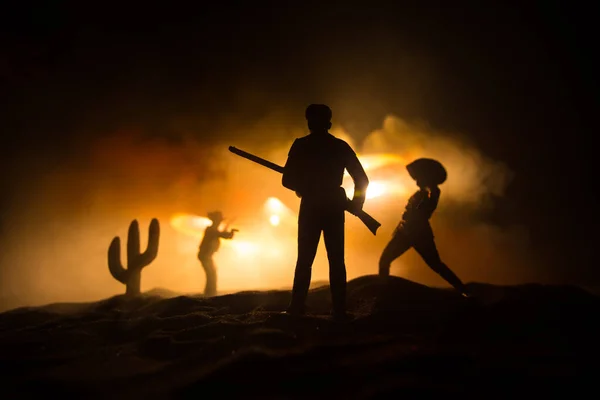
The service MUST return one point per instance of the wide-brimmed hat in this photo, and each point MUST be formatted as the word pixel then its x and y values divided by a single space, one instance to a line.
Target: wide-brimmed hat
pixel 215 215
pixel 427 170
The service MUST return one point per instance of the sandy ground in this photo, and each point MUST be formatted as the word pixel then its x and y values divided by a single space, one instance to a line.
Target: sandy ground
pixel 403 339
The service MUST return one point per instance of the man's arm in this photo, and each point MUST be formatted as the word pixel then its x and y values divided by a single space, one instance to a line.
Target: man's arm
pixel 227 235
pixel 359 176
pixel 291 171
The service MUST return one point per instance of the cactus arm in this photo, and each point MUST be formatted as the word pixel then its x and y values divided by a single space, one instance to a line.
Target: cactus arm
pixel 114 261
pixel 131 277
pixel 133 245
pixel 151 252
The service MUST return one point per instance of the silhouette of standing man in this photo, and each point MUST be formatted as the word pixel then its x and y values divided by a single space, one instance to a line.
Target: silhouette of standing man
pixel 208 247
pixel 314 170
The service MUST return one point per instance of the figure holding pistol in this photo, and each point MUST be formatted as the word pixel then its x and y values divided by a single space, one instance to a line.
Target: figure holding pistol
pixel 209 246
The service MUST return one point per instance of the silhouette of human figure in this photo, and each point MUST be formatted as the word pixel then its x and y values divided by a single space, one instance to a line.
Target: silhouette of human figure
pixel 414 230
pixel 314 170
pixel 208 247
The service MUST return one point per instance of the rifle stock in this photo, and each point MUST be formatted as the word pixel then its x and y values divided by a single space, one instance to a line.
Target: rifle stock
pixel 371 223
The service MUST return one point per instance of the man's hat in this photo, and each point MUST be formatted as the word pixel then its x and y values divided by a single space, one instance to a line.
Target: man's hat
pixel 214 215
pixel 427 170
pixel 318 113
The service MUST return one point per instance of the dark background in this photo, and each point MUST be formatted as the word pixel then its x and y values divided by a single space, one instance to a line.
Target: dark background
pixel 518 80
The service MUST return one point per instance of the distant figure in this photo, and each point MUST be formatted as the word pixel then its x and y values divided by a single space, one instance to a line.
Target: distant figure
pixel 414 229
pixel 315 170
pixel 210 245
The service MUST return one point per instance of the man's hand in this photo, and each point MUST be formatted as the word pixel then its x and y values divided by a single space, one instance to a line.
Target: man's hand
pixel 229 235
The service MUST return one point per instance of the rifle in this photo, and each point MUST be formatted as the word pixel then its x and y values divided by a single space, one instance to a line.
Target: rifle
pixel 371 223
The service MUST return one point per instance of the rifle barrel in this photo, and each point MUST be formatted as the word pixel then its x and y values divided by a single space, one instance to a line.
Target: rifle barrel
pixel 256 159
pixel 369 221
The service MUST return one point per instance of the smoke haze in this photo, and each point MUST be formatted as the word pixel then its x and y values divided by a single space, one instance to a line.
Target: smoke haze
pixel 63 218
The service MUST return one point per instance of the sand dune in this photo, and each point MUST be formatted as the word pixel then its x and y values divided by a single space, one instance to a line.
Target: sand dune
pixel 404 338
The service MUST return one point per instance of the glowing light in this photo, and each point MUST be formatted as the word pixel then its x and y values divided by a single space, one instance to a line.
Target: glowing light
pixel 191 225
pixel 374 161
pixel 376 189
pixel 274 205
pixel 244 248
pixel 194 226
pixel 278 213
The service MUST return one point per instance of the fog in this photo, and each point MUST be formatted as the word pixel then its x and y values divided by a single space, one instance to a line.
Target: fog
pixel 63 219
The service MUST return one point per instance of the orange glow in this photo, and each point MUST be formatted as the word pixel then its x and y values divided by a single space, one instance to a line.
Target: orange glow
pixel 260 252
pixel 191 225
pixel 274 220
pixel 275 205
pixel 252 241
pixel 372 162
pixel 377 189
pixel 128 175
pixel 393 186
pixel 278 213
pixel 244 248
pixel 264 249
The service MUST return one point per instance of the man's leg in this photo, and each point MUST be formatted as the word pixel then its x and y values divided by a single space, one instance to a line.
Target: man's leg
pixel 428 251
pixel 333 233
pixel 210 288
pixel 309 233
pixel 397 246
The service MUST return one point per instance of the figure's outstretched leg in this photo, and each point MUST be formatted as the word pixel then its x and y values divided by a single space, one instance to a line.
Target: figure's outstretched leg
pixel 210 288
pixel 397 246
pixel 333 234
pixel 309 233
pixel 428 251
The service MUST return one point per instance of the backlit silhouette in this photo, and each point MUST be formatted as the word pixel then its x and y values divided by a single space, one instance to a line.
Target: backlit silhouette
pixel 314 170
pixel 208 247
pixel 414 230
pixel 131 276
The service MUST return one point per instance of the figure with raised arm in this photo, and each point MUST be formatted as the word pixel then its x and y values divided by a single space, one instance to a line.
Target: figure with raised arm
pixel 209 246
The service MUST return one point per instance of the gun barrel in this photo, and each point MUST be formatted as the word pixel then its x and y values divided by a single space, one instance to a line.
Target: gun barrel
pixel 256 159
pixel 369 221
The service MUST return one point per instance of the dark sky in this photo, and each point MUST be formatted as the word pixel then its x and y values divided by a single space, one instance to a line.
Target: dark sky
pixel 519 81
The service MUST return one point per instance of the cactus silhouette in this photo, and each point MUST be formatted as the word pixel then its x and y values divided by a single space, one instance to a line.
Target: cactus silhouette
pixel 132 276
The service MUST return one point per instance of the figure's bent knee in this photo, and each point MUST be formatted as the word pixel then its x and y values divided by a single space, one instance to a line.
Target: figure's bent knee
pixel 384 266
pixel 385 259
pixel 438 267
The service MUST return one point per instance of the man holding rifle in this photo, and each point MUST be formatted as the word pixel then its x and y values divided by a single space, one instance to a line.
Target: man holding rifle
pixel 315 170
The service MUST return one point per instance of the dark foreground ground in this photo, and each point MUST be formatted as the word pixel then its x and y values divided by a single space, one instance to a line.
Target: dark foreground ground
pixel 403 339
